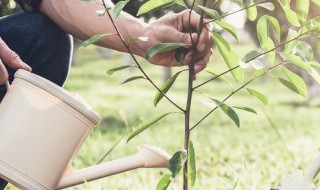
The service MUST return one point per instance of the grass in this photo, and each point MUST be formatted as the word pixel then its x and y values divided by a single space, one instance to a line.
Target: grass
pixel 253 155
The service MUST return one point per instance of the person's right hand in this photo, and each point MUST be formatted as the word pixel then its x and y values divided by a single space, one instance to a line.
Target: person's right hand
pixel 12 59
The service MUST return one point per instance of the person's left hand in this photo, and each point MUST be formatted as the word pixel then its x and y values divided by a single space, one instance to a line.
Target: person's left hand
pixel 12 59
pixel 175 28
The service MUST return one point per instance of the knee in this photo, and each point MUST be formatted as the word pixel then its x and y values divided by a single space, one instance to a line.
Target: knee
pixel 48 35
pixel 35 34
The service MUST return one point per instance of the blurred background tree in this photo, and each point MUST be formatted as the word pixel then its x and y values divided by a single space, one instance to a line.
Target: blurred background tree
pixel 8 7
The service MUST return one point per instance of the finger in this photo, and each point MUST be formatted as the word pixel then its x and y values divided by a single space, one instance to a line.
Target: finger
pixel 11 58
pixel 175 35
pixel 3 73
pixel 204 54
pixel 190 20
pixel 187 59
pixel 205 40
pixel 202 63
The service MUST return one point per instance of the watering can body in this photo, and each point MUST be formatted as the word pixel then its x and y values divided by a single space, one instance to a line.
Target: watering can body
pixel 41 129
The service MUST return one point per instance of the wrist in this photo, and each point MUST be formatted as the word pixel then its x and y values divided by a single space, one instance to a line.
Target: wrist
pixel 137 30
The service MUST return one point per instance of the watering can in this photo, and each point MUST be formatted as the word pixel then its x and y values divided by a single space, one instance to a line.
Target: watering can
pixel 42 127
pixel 300 181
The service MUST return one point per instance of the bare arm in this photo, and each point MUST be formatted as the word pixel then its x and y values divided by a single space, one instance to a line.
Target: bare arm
pixel 81 20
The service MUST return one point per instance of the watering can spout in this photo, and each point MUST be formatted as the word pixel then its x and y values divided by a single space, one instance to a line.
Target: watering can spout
pixel 147 157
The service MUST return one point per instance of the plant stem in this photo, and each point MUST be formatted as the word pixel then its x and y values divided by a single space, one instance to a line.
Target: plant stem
pixel 136 61
pixel 215 4
pixel 231 94
pixel 236 67
pixel 190 93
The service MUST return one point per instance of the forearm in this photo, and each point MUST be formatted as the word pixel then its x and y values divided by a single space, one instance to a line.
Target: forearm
pixel 81 20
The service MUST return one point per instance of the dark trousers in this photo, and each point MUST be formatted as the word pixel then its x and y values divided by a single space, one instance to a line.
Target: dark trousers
pixel 39 43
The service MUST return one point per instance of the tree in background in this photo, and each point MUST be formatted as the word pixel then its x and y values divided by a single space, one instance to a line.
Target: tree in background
pixel 8 7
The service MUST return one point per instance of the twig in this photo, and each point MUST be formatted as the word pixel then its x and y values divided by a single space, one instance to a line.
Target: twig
pixel 215 4
pixel 190 92
pixel 245 8
pixel 236 67
pixel 136 61
pixel 230 95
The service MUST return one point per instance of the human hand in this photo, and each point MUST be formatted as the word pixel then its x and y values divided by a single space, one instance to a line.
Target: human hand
pixel 11 59
pixel 175 28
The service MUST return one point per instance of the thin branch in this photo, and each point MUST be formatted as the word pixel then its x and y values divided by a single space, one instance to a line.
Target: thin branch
pixel 261 54
pixel 190 92
pixel 215 4
pixel 230 95
pixel 245 8
pixel 136 61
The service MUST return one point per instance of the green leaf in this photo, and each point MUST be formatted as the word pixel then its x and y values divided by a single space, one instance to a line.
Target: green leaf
pixel 314 64
pixel 262 30
pixel 213 72
pixel 317 2
pixel 165 88
pixel 93 40
pixel 252 11
pixel 294 82
pixel 276 26
pixel 302 9
pixel 163 47
pixel 101 12
pixel 132 79
pixel 272 54
pixel 230 56
pixel 285 3
pixel 290 45
pixel 296 61
pixel 118 8
pixel 259 73
pixel 145 125
pixel 176 162
pixel 111 71
pixel 228 111
pixel 258 95
pixel 250 56
pixel 268 5
pixel 291 16
pixel 210 12
pixel 153 5
pixel 229 28
pixel 245 109
pixel 304 50
pixel 143 39
pixel 312 25
pixel 164 182
pixel 192 170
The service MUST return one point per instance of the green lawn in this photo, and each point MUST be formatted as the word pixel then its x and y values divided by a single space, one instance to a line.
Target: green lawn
pixel 254 154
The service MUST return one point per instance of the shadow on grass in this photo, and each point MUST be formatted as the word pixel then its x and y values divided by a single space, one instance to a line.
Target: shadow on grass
pixel 297 104
pixel 307 103
pixel 111 124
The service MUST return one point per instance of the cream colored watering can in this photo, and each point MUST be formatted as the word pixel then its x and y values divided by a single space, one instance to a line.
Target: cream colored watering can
pixel 41 129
